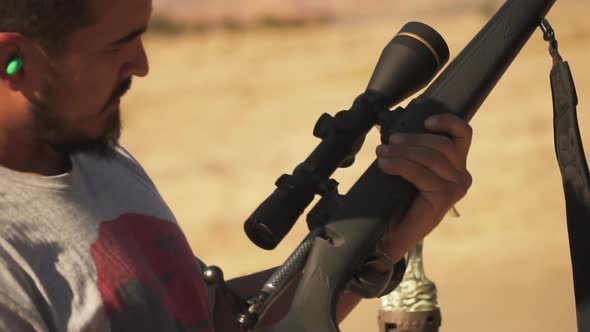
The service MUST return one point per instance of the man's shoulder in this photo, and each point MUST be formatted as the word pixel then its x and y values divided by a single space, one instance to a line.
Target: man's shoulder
pixel 123 152
pixel 127 159
pixel 118 166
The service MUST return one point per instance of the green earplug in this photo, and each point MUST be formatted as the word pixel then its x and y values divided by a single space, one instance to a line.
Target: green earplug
pixel 14 65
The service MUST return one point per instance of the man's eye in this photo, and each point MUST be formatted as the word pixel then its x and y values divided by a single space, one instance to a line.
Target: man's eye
pixel 114 49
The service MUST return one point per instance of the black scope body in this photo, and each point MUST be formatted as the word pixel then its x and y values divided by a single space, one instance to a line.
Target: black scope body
pixel 407 64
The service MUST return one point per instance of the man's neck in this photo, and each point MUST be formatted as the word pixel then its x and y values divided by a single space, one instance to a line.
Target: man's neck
pixel 19 150
pixel 33 158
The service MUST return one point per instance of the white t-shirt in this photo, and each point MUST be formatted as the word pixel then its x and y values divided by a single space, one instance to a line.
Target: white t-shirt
pixel 96 249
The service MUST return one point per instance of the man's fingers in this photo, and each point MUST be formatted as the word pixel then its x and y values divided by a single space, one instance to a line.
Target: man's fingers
pixel 423 178
pixel 443 144
pixel 458 129
pixel 430 158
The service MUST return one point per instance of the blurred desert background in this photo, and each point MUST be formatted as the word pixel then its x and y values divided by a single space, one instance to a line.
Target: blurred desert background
pixel 236 87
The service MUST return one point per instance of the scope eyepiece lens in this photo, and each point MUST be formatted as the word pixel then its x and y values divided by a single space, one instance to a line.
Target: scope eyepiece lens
pixel 260 234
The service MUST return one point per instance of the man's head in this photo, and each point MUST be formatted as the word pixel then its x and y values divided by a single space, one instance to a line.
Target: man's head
pixel 79 59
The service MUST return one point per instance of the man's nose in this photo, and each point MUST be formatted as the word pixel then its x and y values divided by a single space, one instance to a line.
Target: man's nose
pixel 139 65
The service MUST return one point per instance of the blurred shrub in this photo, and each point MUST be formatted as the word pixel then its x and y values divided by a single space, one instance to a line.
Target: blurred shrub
pixel 161 24
pixel 275 22
pixel 488 8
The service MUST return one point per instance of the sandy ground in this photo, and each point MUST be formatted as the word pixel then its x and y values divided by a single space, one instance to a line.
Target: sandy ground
pixel 222 115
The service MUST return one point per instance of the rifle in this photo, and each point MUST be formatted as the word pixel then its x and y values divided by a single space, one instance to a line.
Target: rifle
pixel 345 230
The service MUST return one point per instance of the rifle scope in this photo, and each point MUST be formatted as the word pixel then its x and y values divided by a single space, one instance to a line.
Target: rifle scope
pixel 407 64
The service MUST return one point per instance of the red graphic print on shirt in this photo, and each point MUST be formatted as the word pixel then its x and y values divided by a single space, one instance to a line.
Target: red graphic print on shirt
pixel 148 278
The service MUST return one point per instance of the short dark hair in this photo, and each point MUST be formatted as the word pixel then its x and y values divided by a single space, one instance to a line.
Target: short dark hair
pixel 47 22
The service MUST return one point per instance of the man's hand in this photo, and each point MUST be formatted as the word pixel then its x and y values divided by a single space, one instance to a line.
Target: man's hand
pixel 436 165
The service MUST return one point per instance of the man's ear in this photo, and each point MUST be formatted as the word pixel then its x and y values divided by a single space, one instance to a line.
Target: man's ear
pixel 35 66
pixel 11 45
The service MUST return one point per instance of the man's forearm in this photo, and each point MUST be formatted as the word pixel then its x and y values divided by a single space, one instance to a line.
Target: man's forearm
pixel 227 306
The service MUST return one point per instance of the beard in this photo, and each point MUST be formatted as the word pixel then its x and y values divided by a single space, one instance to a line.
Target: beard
pixel 102 146
pixel 53 130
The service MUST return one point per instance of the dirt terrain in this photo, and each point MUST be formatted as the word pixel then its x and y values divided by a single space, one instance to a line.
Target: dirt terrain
pixel 223 114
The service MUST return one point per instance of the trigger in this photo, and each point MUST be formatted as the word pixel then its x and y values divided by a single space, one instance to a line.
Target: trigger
pixel 370 283
pixel 381 257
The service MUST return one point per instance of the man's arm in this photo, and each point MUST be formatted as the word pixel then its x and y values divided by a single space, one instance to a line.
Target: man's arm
pixel 229 304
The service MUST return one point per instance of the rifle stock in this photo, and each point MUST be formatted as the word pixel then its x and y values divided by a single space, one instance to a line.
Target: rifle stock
pixel 378 201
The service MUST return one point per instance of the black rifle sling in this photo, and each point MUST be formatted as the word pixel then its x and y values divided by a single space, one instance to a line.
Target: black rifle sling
pixel 574 172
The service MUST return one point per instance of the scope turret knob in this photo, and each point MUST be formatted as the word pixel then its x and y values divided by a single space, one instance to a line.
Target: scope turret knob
pixel 327 186
pixel 323 125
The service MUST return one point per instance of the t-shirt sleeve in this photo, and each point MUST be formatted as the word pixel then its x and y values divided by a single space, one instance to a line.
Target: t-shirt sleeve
pixel 210 289
pixel 133 163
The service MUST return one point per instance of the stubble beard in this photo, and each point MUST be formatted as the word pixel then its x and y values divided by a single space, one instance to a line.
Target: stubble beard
pixel 51 129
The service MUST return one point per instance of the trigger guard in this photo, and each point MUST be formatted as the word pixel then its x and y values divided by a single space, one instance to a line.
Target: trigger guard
pixel 369 283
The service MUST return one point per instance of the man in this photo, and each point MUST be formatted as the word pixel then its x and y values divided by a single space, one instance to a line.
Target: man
pixel 86 241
